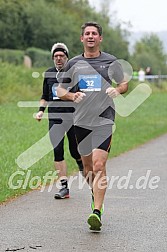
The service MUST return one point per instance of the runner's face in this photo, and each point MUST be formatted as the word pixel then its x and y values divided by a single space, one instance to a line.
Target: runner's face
pixel 91 37
pixel 60 59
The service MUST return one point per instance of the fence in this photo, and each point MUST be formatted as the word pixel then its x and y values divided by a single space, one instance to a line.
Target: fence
pixel 155 79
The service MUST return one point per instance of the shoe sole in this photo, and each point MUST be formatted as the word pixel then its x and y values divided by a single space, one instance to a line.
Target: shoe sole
pixel 64 197
pixel 94 222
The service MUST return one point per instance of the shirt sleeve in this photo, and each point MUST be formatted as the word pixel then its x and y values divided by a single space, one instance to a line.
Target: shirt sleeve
pixel 116 73
pixel 45 94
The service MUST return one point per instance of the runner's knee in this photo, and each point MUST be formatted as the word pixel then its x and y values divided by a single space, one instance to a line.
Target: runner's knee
pixel 98 166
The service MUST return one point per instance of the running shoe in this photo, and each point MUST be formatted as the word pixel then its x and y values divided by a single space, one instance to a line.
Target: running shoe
pixel 94 222
pixel 62 194
pixel 93 205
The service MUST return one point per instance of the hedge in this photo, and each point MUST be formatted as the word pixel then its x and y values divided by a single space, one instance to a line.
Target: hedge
pixel 39 57
pixel 12 56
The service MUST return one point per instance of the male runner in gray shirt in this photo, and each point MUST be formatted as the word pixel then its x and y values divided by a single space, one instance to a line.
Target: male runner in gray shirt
pixel 89 78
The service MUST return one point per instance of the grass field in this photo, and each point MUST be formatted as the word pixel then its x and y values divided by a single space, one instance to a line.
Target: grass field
pixel 19 131
pixel 147 122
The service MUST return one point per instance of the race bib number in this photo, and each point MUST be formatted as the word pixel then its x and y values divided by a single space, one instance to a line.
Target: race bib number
pixel 89 83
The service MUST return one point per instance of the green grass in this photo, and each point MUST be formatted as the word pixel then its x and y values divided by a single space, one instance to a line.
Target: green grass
pixel 16 83
pixel 19 130
pixel 147 122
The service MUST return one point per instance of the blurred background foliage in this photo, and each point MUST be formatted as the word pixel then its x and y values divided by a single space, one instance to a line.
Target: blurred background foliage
pixel 39 24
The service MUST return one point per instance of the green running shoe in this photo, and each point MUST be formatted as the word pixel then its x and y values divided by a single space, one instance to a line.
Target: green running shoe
pixel 93 205
pixel 94 222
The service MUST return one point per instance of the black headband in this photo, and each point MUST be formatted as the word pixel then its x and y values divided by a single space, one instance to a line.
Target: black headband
pixel 60 50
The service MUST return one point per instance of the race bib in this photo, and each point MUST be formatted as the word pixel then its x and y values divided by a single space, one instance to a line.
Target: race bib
pixel 89 83
pixel 54 92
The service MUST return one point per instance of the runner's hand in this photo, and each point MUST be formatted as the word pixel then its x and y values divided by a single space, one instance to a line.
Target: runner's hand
pixel 112 92
pixel 39 115
pixel 78 97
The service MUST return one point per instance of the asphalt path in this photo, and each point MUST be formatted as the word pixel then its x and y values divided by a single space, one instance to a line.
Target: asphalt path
pixel 135 216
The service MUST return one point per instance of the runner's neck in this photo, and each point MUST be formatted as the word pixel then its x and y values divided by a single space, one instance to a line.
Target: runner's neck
pixel 91 54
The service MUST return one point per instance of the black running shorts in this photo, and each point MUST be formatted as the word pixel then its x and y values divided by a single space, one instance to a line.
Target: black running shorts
pixel 91 138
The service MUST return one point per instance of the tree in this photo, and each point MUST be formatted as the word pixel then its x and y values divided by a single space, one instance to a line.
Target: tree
pixel 149 52
pixel 13 24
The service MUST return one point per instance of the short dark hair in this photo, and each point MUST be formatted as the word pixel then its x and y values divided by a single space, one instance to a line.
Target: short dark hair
pixel 99 28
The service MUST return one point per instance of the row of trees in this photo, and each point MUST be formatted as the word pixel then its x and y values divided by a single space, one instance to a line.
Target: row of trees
pixel 41 23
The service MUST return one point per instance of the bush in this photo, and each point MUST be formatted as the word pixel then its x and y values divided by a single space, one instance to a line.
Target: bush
pixel 12 56
pixel 39 57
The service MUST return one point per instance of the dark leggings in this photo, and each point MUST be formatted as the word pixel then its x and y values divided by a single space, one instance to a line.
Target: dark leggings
pixel 57 132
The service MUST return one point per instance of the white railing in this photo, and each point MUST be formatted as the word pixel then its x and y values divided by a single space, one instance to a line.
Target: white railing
pixel 151 77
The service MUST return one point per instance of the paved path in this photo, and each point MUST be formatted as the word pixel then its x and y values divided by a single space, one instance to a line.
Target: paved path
pixel 135 219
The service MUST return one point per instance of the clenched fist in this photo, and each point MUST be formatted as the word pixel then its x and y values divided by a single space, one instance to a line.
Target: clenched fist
pixel 78 97
pixel 39 115
pixel 112 92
